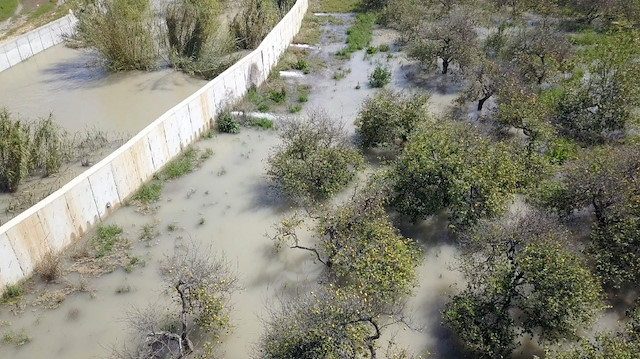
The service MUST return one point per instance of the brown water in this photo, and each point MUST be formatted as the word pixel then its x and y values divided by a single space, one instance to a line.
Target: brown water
pixel 230 195
pixel 69 84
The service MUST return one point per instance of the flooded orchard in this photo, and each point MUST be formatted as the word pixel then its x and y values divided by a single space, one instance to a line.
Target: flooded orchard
pixel 226 207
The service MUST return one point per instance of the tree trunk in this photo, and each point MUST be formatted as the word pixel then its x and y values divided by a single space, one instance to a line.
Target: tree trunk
pixel 445 66
pixel 482 101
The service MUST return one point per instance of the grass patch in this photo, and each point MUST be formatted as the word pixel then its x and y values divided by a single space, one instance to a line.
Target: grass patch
pixel 586 38
pixel 41 10
pixel 226 124
pixel 384 48
pixel 358 35
pixel 337 6
pixel 261 122
pixel 148 232
pixel 17 339
pixel 148 193
pixel 295 108
pixel 182 165
pixel 106 239
pixel 310 30
pixel 303 93
pixel 7 8
pixel 278 96
pixel 12 293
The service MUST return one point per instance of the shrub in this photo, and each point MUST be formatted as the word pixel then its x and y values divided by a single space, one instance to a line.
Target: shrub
pixel 388 118
pixel 226 123
pixel 191 24
pixel 384 48
pixel 26 149
pixel 49 268
pixel 120 30
pixel 278 96
pixel 380 77
pixel 254 22
pixel 314 161
pixel 261 122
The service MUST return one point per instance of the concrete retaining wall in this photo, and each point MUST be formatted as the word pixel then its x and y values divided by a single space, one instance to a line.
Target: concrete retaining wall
pixel 23 47
pixel 64 216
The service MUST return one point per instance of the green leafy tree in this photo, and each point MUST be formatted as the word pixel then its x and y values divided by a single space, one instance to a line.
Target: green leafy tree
pixel 445 165
pixel 361 249
pixel 519 265
pixel 452 39
pixel 325 323
pixel 538 51
pixel 315 160
pixel 387 118
pixel 606 180
pixel 599 106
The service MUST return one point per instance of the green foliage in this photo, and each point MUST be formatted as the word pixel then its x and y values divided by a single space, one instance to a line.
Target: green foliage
pixel 7 8
pixel 337 6
pixel 530 273
pixel 388 118
pixel 191 25
pixel 380 76
pixel 264 123
pixel 12 292
pixel 106 238
pixel 295 108
pixel 226 123
pixel 148 193
pixel 120 30
pixel 254 22
pixel 384 48
pixel 359 34
pixel 302 66
pixel 278 96
pixel 444 165
pixel 314 161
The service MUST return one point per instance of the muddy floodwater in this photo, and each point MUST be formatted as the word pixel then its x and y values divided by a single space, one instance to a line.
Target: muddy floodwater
pixel 227 207
pixel 68 84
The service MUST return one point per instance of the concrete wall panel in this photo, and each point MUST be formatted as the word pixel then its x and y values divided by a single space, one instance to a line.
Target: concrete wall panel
pixel 158 147
pixel 46 38
pixel 185 131
pixel 4 62
pixel 125 174
pixel 28 240
pixel 199 115
pixel 35 42
pixel 24 49
pixel 172 134
pixel 10 271
pixel 57 224
pixel 104 190
pixel 141 153
pixel 82 206
pixel 12 54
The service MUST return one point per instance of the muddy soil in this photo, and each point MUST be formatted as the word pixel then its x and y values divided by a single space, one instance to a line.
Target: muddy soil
pixel 228 206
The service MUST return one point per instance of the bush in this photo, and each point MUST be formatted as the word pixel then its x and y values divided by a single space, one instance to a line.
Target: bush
pixel 226 123
pixel 387 119
pixel 254 22
pixel 12 292
pixel 314 161
pixel 278 96
pixel 120 30
pixel 49 268
pixel 191 24
pixel 380 77
pixel 27 149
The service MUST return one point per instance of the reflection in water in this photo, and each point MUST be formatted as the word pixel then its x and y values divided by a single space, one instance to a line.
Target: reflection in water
pixel 69 84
